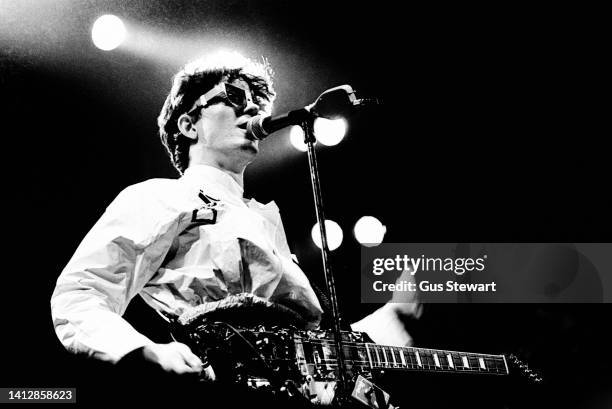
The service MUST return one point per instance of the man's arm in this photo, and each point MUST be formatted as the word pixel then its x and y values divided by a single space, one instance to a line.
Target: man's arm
pixel 111 265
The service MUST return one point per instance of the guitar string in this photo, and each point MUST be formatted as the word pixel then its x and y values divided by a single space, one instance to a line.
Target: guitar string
pixel 357 345
pixel 360 347
pixel 427 355
pixel 353 346
pixel 399 364
pixel 427 367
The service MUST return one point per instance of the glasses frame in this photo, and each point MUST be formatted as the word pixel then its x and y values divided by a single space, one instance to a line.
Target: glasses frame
pixel 221 89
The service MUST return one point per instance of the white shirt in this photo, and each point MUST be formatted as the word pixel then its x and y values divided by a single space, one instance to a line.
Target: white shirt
pixel 178 243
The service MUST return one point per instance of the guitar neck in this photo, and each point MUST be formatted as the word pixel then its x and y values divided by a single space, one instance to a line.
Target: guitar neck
pixel 424 359
pixel 363 355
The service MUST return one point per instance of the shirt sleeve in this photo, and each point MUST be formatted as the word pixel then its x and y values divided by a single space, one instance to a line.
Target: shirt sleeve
pixel 111 265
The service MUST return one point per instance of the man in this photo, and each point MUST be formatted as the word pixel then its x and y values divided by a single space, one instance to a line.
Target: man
pixel 194 240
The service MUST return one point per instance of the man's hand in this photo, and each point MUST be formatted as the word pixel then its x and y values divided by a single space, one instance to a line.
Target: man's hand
pixel 406 303
pixel 177 358
pixel 386 325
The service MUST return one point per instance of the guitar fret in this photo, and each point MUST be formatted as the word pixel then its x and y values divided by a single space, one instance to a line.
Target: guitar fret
pixel 449 358
pixel 385 356
pixel 436 359
pixel 430 359
pixel 377 356
pixel 473 362
pixel 501 365
pixel 369 356
pixel 458 363
pixel 427 359
pixel 495 364
pixel 412 358
pixel 401 351
pixel 491 364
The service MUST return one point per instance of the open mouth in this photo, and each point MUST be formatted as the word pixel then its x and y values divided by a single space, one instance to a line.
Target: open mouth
pixel 248 135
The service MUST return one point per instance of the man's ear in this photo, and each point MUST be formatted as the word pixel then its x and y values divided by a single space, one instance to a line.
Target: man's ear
pixel 187 127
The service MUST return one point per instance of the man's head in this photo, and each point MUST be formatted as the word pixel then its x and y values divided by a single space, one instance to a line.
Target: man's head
pixel 208 106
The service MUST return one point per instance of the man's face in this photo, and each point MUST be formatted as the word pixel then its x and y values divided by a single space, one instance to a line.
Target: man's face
pixel 222 129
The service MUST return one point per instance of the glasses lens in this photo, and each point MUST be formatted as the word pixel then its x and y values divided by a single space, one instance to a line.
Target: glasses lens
pixel 236 95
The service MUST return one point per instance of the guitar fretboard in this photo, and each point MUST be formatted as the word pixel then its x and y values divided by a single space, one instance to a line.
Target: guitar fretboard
pixel 390 357
pixel 374 356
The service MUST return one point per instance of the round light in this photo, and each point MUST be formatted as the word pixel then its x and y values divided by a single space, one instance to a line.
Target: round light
pixel 369 231
pixel 329 131
pixel 334 234
pixel 296 136
pixel 108 32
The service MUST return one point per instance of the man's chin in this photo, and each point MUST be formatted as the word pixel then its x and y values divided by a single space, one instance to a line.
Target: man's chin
pixel 249 149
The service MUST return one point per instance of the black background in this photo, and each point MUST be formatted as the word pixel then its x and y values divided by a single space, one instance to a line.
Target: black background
pixel 491 131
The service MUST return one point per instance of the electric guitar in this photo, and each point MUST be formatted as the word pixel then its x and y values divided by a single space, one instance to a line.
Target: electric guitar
pixel 303 363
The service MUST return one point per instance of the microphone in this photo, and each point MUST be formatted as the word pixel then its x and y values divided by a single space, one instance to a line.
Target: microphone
pixel 261 126
pixel 331 104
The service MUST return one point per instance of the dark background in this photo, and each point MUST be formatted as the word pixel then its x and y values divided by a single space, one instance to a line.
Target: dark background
pixel 491 131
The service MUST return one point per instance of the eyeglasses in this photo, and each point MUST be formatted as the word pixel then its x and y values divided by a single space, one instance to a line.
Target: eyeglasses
pixel 236 96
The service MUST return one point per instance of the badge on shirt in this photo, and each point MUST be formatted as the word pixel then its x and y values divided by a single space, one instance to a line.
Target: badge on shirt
pixel 207 213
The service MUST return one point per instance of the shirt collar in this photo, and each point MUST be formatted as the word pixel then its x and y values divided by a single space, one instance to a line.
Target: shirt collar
pixel 205 176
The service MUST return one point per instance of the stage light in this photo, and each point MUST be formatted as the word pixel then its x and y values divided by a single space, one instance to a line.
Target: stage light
pixel 334 234
pixel 108 32
pixel 330 131
pixel 296 136
pixel 369 231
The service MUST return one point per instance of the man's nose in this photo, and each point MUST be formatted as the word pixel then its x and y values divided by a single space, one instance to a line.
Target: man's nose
pixel 250 109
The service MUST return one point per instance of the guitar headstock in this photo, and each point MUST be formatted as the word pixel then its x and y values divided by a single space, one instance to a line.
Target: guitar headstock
pixel 519 368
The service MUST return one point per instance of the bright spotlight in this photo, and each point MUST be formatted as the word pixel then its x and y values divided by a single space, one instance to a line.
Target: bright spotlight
pixel 108 32
pixel 330 131
pixel 369 231
pixel 296 136
pixel 334 234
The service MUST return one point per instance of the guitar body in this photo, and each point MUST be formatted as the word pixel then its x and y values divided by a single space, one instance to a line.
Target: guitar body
pixel 295 362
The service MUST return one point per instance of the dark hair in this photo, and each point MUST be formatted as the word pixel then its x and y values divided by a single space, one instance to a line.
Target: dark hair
pixel 195 79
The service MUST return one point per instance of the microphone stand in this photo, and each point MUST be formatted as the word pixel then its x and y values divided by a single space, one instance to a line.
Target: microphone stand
pixel 310 140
